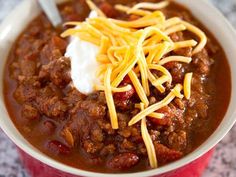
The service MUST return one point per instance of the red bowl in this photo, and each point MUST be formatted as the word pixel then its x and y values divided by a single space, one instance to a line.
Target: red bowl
pixel 38 169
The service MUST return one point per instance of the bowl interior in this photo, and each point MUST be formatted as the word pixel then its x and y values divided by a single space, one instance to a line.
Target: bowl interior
pixel 17 21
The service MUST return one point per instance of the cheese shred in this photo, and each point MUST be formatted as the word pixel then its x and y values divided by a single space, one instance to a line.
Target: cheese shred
pixel 155 115
pixel 92 6
pixel 126 9
pixel 115 89
pixel 175 58
pixel 148 141
pixel 187 85
pixel 150 6
pixel 109 98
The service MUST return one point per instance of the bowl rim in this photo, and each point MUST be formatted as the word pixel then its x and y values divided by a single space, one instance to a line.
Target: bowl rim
pixel 204 148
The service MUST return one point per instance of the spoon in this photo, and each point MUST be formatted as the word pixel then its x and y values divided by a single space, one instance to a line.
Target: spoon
pixel 51 10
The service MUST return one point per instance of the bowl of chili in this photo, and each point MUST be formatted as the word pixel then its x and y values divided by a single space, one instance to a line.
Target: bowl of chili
pixel 222 106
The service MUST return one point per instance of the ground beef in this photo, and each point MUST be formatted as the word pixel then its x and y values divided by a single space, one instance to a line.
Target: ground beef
pixel 123 161
pixel 47 127
pixel 177 71
pixel 177 140
pixel 202 62
pixel 165 154
pixel 73 96
pixel 27 89
pixel 92 108
pixel 57 71
pixel 52 107
pixel 28 66
pixel 58 148
pixel 107 150
pixel 29 112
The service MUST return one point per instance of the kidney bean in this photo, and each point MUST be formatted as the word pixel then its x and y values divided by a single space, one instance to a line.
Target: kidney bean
pixel 126 81
pixel 58 43
pixel 29 112
pixel 165 154
pixel 163 121
pixel 166 120
pixel 123 96
pixel 58 148
pixel 123 161
pixel 109 10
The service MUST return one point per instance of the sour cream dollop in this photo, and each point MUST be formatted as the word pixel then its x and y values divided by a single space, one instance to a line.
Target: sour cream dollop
pixel 83 62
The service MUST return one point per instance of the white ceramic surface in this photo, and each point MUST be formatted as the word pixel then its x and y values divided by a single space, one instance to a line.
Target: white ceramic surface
pixel 207 14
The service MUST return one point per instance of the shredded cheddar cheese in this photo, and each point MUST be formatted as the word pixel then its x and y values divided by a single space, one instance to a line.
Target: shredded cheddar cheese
pixel 171 22
pixel 148 141
pixel 187 85
pixel 161 69
pixel 175 58
pixel 138 87
pixel 184 44
pixel 152 79
pixel 109 98
pixel 145 21
pixel 150 6
pixel 156 115
pixel 133 11
pixel 139 49
pixel 114 89
pixel 199 33
pixel 92 6
pixel 174 29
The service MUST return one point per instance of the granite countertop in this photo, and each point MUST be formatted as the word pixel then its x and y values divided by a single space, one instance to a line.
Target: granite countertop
pixel 223 163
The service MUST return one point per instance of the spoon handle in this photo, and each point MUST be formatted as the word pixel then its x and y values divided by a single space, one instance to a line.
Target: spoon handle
pixel 51 10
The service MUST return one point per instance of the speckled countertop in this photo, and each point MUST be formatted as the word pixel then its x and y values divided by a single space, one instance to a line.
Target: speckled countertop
pixel 223 163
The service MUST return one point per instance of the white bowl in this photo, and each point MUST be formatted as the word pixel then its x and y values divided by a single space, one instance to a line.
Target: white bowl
pixel 17 21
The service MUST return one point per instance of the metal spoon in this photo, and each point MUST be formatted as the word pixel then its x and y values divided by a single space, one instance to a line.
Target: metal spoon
pixel 51 10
